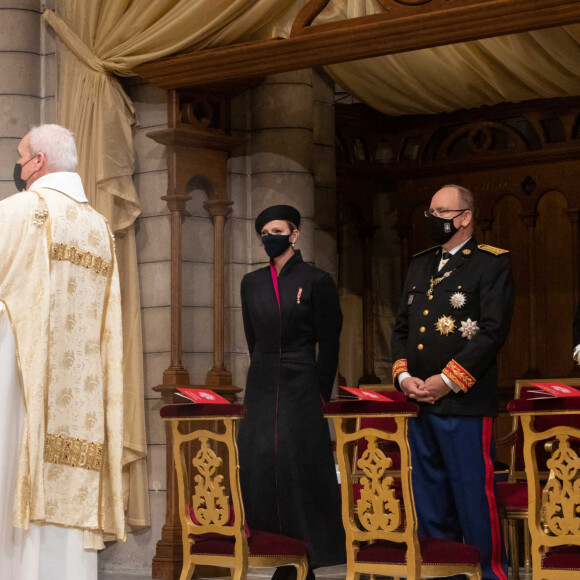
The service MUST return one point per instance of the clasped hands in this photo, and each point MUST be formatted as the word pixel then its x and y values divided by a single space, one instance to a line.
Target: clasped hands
pixel 428 391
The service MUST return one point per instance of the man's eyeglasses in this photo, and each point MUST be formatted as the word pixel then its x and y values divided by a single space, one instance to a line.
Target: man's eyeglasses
pixel 443 213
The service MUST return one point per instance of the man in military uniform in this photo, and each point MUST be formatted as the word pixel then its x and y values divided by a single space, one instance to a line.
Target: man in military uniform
pixel 453 318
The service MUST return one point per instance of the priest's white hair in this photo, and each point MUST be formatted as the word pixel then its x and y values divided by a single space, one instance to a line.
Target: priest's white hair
pixel 57 143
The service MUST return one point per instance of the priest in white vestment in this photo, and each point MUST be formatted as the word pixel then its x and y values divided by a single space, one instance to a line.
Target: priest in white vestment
pixel 61 383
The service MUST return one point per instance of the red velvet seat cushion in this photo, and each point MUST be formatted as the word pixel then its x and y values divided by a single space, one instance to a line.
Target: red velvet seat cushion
pixel 259 544
pixel 512 495
pixel 358 407
pixel 198 411
pixel 563 558
pixel 433 551
pixel 387 424
pixel 550 404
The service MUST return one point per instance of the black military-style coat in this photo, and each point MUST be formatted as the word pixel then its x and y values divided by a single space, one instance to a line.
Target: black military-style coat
pixel 460 329
pixel 287 470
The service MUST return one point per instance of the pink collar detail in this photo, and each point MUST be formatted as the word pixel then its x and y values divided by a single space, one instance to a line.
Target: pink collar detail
pixel 275 282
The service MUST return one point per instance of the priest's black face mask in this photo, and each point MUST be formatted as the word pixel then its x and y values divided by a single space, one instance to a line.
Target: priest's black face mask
pixel 17 175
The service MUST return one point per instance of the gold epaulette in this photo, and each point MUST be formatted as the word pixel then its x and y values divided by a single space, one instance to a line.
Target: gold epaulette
pixel 425 251
pixel 492 249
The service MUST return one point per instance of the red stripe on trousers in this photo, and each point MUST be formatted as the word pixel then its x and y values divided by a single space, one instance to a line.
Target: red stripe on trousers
pixel 493 513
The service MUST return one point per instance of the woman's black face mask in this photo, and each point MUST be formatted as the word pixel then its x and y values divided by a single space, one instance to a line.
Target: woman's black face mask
pixel 275 245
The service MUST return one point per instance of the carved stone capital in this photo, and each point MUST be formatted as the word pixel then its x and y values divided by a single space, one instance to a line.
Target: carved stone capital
pixel 217 207
pixel 176 201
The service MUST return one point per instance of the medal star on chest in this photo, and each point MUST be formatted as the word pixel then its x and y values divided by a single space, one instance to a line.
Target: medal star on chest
pixel 445 325
pixel 458 300
pixel 468 328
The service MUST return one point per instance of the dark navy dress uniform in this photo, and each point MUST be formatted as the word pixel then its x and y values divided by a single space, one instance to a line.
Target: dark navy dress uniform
pixel 453 321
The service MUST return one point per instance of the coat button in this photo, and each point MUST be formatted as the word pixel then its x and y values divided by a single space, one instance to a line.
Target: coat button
pixel 425 312
pixel 420 346
pixel 422 329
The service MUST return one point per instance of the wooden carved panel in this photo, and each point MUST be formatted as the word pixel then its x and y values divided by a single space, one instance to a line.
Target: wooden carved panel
pixel 553 284
pixel 509 231
pixel 418 233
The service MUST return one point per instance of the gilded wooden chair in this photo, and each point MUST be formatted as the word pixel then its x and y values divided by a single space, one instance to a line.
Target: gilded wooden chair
pixel 512 495
pixel 214 531
pixel 381 533
pixel 552 425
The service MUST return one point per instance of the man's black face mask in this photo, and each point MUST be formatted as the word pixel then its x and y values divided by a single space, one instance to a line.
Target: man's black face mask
pixel 18 181
pixel 441 229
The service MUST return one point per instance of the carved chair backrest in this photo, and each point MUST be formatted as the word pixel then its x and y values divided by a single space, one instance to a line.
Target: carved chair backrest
pixel 207 466
pixel 377 514
pixel 554 518
pixel 522 388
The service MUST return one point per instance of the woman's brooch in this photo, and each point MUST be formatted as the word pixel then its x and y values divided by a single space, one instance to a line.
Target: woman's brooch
pixel 298 295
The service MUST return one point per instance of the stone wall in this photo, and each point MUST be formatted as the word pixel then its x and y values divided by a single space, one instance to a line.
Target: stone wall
pixel 27 79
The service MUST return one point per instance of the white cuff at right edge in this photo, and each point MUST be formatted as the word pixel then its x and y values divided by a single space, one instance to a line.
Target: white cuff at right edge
pixel 402 376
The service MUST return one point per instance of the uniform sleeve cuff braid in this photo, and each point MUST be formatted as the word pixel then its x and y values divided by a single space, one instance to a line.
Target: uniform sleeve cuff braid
pixel 399 367
pixel 459 375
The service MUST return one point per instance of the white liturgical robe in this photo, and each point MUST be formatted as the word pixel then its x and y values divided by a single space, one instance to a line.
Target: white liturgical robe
pixel 61 384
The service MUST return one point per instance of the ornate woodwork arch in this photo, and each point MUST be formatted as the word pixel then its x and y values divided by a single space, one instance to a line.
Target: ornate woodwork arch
pixel 522 162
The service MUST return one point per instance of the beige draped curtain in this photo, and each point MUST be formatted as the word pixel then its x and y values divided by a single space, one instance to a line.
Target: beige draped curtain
pixel 101 39
pixel 532 65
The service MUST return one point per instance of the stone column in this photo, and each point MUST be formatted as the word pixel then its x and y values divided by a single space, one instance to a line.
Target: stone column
pixel 27 62
pixel 324 170
pixel 282 154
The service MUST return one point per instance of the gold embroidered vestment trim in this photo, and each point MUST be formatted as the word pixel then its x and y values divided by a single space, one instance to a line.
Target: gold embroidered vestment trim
pixel 73 452
pixel 80 258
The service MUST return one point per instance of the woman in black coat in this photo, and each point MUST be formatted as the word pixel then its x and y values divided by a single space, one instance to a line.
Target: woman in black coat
pixel 287 470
